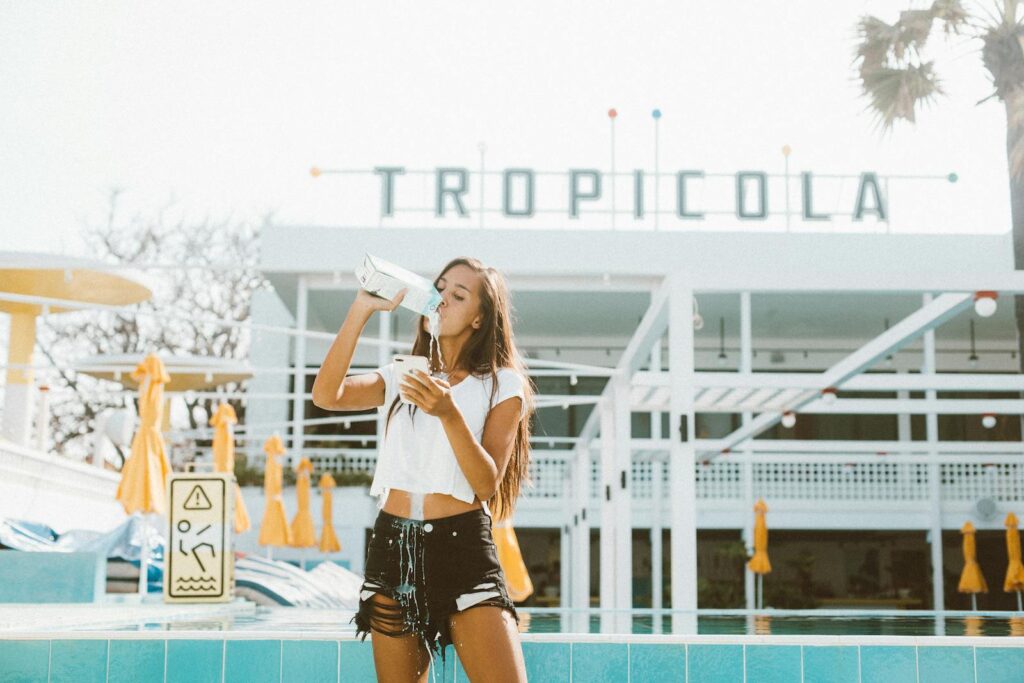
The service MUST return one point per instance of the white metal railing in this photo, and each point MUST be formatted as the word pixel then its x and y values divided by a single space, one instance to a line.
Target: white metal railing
pixel 800 476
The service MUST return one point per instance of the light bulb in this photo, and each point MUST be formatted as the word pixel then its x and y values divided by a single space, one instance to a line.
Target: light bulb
pixel 722 360
pixel 973 361
pixel 788 419
pixel 985 304
pixel 828 396
pixel 574 380
pixel 988 420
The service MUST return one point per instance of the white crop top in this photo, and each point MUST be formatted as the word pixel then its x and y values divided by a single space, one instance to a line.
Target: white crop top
pixel 416 455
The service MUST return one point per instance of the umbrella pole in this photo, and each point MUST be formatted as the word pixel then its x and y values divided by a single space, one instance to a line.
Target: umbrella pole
pixel 760 591
pixel 144 558
pixel 270 552
pixel 974 602
pixel 1019 608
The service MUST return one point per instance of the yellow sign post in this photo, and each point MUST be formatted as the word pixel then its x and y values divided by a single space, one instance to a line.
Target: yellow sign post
pixel 198 563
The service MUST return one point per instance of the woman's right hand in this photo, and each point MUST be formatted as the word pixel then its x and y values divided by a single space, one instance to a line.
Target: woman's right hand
pixel 371 302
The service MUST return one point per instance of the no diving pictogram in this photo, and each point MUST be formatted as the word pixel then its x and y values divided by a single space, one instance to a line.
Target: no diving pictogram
pixel 197 499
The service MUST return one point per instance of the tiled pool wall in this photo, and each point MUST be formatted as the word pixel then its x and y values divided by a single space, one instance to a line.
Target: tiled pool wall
pixel 117 657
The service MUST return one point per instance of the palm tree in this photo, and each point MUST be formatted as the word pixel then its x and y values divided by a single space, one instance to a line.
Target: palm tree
pixel 896 80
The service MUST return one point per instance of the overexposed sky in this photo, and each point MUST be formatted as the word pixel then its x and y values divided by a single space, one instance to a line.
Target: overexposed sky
pixel 223 109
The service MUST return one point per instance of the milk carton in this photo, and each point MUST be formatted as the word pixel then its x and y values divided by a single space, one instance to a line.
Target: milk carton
pixel 385 279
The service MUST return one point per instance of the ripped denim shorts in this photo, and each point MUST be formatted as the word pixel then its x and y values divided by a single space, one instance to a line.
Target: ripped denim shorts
pixel 432 568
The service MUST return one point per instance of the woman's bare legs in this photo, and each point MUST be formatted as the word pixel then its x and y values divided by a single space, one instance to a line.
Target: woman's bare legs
pixel 487 640
pixel 397 659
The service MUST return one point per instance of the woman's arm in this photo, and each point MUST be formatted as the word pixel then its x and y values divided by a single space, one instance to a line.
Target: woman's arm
pixel 329 385
pixel 483 464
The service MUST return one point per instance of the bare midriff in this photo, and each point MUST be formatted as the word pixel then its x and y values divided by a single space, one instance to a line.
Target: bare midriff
pixel 435 505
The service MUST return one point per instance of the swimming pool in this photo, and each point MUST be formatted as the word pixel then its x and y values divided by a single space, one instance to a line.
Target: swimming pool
pixel 240 642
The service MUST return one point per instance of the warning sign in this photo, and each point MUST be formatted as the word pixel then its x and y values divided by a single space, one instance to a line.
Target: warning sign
pixel 198 560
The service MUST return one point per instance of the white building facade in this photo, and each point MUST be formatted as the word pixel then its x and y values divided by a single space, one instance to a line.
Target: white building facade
pixel 652 426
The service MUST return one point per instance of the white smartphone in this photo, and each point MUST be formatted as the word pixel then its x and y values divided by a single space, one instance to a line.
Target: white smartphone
pixel 405 364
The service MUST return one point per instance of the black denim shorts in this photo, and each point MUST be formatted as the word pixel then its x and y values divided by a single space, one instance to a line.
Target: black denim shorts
pixel 432 568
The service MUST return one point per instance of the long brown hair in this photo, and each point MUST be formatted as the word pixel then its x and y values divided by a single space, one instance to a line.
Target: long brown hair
pixel 487 350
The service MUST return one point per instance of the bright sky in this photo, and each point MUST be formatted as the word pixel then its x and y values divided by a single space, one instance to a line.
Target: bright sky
pixel 225 111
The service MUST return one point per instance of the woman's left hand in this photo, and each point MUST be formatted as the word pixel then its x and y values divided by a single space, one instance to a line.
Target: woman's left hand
pixel 432 395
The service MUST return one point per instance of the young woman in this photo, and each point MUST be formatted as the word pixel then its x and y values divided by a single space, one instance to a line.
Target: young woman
pixel 432 574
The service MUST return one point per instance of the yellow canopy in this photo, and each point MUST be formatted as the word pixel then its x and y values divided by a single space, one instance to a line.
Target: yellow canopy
pixel 224 457
pixel 510 557
pixel 328 539
pixel 1015 570
pixel 303 533
pixel 759 563
pixel 971 579
pixel 144 475
pixel 274 528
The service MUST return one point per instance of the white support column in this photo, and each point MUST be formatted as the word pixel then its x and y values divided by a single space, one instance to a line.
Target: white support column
pixel 299 376
pixel 608 493
pixel 931 420
pixel 747 512
pixel 566 561
pixel 622 500
pixel 565 549
pixel 581 533
pixel 657 501
pixel 903 419
pixel 683 510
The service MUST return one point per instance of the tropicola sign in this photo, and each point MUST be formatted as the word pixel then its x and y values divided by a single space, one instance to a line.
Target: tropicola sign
pixel 586 186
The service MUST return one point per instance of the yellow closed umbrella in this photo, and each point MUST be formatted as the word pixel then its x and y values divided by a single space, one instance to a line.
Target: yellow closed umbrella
pixel 223 422
pixel 329 542
pixel 971 579
pixel 510 557
pixel 274 527
pixel 303 533
pixel 759 563
pixel 144 475
pixel 1014 581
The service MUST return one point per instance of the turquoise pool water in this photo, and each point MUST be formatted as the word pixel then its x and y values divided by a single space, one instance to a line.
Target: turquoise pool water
pixel 240 642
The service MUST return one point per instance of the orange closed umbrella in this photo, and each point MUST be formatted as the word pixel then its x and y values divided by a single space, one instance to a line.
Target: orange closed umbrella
pixel 510 557
pixel 759 563
pixel 971 579
pixel 303 533
pixel 329 542
pixel 1014 581
pixel 144 475
pixel 223 422
pixel 274 527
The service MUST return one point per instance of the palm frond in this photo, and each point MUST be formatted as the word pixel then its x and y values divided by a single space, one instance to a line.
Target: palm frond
pixel 895 93
pixel 952 14
pixel 1002 53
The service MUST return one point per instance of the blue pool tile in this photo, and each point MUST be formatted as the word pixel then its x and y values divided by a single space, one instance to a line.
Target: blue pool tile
pixel 945 664
pixel 136 660
pixel 194 661
pixel 825 664
pixel 600 662
pixel 715 663
pixel 657 663
pixel 357 661
pixel 773 663
pixel 547 662
pixel 24 660
pixel 1000 664
pixel 78 661
pixel 312 661
pixel 888 664
pixel 252 661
